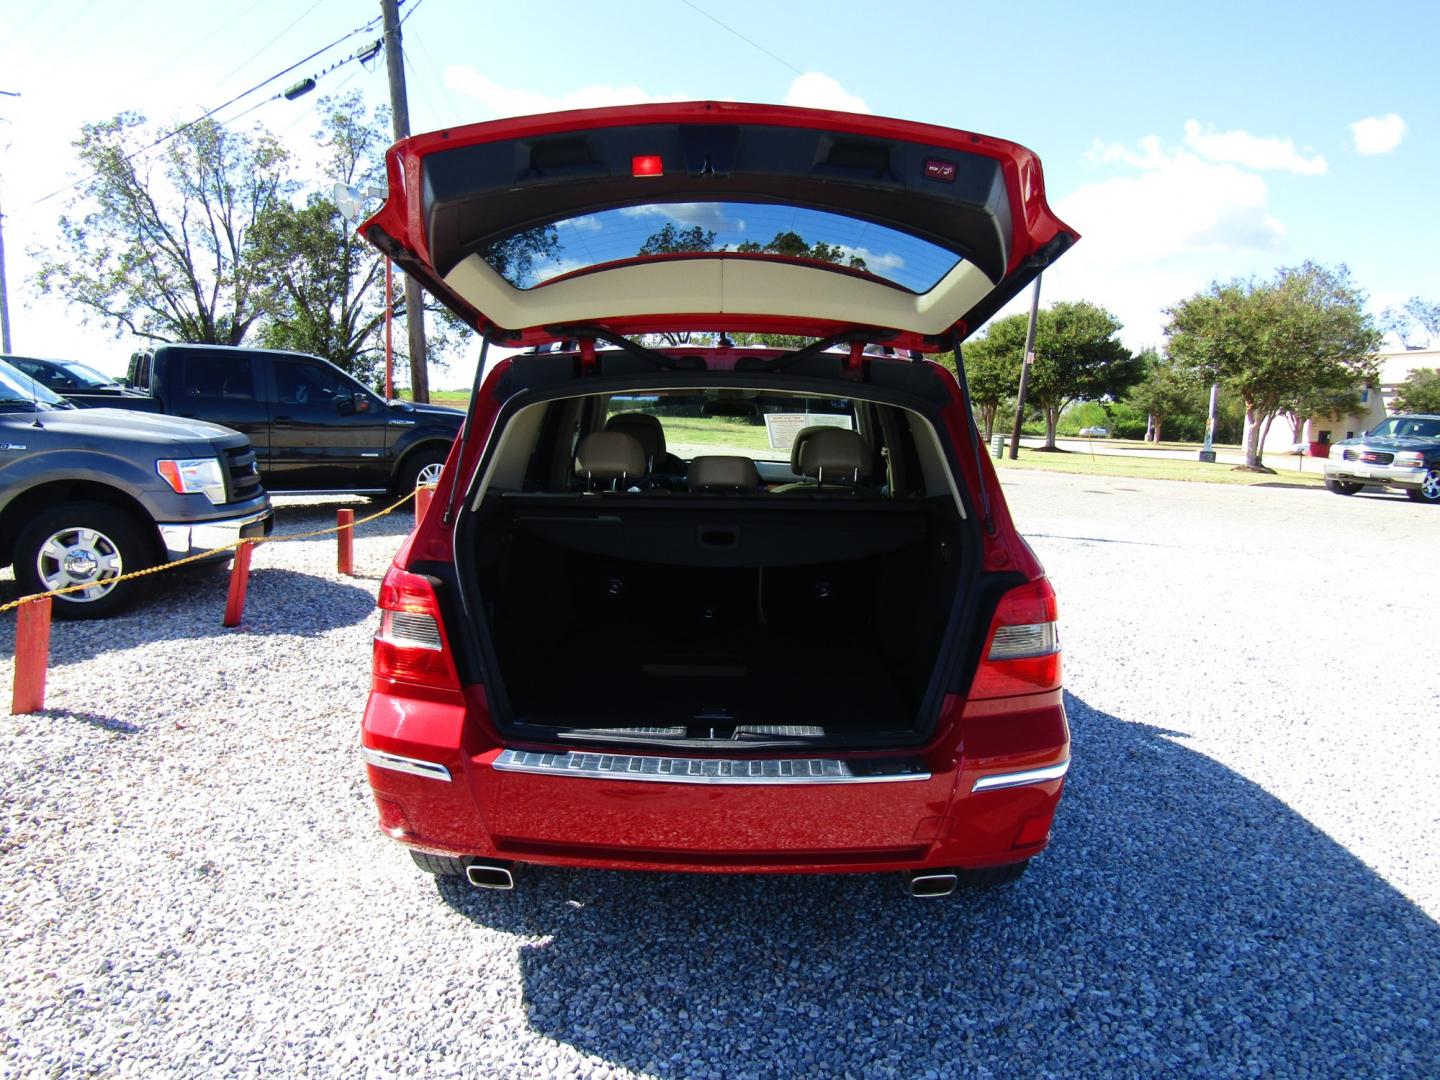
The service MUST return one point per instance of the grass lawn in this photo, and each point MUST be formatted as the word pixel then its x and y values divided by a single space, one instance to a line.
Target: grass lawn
pixel 1160 469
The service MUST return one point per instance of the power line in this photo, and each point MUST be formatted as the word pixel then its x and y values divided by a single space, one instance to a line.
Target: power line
pixel 748 41
pixel 272 41
pixel 199 119
pixel 368 53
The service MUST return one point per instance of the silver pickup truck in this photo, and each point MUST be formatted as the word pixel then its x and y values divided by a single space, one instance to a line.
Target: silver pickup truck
pixel 1401 451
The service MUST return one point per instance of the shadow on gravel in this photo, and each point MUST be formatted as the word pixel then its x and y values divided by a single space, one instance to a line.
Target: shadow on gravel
pixel 1184 920
pixel 97 720
pixel 188 605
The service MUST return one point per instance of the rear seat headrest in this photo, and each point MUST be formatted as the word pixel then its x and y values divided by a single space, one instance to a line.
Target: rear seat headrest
pixel 644 427
pixel 723 473
pixel 801 438
pixel 610 455
pixel 834 454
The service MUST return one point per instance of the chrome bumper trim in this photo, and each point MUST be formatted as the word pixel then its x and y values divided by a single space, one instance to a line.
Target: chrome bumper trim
pixel 183 540
pixel 672 770
pixel 997 781
pixel 395 763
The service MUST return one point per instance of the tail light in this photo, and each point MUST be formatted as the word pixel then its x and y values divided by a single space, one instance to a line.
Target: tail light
pixel 1022 651
pixel 411 646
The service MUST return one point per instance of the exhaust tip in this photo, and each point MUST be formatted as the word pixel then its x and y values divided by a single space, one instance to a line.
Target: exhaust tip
pixel 930 886
pixel 489 876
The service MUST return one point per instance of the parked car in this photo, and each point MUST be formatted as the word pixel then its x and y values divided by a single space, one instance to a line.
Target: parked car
pixel 315 430
pixel 87 495
pixel 78 383
pixel 1094 433
pixel 713 607
pixel 1401 452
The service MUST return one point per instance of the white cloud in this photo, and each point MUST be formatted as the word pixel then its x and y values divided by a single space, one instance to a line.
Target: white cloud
pixel 588 223
pixel 1251 151
pixel 499 100
pixel 1377 134
pixel 1173 203
pixel 814 90
pixel 881 264
pixel 1165 220
pixel 706 215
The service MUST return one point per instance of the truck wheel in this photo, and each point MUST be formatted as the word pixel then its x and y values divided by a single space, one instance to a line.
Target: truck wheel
pixel 1340 487
pixel 1429 489
pixel 421 467
pixel 79 543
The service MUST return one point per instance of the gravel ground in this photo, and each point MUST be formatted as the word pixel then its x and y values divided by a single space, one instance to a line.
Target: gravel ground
pixel 1243 879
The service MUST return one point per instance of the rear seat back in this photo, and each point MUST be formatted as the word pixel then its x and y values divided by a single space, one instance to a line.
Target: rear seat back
pixel 609 458
pixel 836 459
pixel 723 473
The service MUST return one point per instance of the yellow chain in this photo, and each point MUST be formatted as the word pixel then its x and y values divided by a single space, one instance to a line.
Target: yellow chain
pixel 13 604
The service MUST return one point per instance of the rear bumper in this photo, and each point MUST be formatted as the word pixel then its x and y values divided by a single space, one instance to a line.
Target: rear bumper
pixel 649 811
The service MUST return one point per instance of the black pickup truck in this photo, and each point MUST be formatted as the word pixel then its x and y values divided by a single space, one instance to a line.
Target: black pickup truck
pixel 87 495
pixel 315 430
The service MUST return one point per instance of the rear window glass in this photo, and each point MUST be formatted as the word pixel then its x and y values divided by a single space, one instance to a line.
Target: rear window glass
pixel 207 375
pixel 758 425
pixel 548 251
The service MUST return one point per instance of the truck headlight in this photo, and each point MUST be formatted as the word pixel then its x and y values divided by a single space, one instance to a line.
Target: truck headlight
pixel 1410 459
pixel 190 476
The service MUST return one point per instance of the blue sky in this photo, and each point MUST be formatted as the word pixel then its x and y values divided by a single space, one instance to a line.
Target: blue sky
pixel 1185 142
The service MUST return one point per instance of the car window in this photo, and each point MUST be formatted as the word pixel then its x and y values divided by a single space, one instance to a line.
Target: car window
pixel 299 383
pixel 766 230
pixel 760 426
pixel 218 376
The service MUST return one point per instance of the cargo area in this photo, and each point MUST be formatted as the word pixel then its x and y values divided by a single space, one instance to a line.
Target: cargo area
pixel 730 619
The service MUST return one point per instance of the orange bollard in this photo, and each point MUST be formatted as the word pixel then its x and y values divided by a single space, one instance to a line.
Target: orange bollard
pixel 32 656
pixel 239 583
pixel 345 558
pixel 423 494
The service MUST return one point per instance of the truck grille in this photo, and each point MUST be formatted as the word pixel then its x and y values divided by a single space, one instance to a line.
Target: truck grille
pixel 242 475
pixel 1377 457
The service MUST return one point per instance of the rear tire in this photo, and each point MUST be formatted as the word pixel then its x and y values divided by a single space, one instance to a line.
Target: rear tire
pixel 1340 487
pixel 1429 489
pixel 988 877
pixel 423 466
pixel 447 866
pixel 77 542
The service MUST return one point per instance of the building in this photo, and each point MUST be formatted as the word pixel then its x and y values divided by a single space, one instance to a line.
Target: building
pixel 1376 403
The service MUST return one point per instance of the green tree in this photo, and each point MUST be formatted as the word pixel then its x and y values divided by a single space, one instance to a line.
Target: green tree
pixel 1420 392
pixel 1415 321
pixel 330 282
pixel 160 243
pixel 794 245
pixel 672 241
pixel 992 371
pixel 1078 356
pixel 1165 392
pixel 1272 343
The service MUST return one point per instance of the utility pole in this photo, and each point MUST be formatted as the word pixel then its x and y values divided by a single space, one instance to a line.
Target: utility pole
pixel 400 110
pixel 1025 366
pixel 4 296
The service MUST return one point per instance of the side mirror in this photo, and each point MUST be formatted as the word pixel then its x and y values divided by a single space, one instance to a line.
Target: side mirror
pixel 362 402
pixel 345 406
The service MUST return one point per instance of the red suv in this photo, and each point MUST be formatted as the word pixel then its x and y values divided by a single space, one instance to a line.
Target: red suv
pixel 717 576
